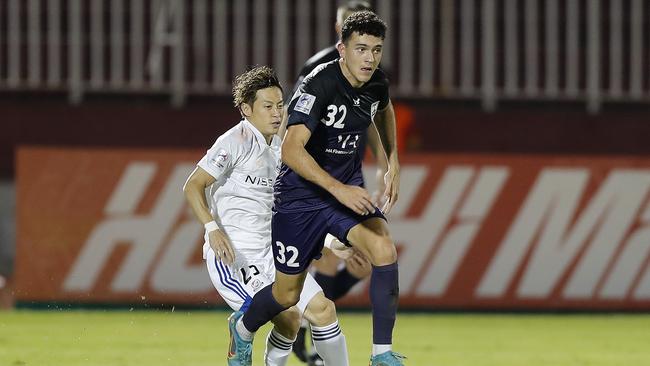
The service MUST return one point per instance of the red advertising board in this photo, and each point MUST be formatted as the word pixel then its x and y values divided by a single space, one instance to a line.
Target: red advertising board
pixel 473 231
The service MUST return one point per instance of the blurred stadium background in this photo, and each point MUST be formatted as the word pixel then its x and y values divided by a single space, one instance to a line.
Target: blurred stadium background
pixel 523 127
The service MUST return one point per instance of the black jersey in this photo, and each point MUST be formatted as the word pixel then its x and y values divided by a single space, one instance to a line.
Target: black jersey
pixel 323 56
pixel 338 117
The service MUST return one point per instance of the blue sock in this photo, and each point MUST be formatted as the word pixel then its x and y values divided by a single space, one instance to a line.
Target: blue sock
pixel 344 282
pixel 327 283
pixel 261 310
pixel 338 286
pixel 384 293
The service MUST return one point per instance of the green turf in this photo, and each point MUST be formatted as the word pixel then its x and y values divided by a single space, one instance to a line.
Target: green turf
pixel 116 338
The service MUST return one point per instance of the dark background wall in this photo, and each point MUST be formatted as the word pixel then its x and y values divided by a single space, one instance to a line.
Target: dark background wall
pixel 560 128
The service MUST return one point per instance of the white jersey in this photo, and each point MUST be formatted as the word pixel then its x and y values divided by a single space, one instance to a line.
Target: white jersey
pixel 245 168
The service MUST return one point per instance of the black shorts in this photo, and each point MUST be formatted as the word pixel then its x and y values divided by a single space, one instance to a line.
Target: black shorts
pixel 298 237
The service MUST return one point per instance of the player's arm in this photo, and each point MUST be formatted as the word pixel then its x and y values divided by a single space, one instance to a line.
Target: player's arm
pixel 378 152
pixel 385 122
pixel 194 190
pixel 300 161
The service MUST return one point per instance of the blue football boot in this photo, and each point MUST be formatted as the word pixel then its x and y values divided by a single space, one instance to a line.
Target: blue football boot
pixel 240 352
pixel 389 358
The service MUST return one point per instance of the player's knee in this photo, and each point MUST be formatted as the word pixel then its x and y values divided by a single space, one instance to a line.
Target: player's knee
pixel 287 322
pixel 384 252
pixel 322 311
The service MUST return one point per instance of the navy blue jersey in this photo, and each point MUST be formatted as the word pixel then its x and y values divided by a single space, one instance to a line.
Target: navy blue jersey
pixel 338 117
pixel 323 56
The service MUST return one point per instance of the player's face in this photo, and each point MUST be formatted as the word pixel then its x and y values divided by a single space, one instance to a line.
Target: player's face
pixel 267 110
pixel 361 56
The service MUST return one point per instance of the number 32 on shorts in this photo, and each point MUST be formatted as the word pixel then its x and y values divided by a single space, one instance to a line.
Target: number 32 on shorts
pixel 287 251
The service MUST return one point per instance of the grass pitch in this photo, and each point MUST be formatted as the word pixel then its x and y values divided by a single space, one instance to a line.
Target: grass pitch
pixel 123 338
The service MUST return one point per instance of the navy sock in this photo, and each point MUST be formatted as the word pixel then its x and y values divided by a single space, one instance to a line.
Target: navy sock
pixel 344 281
pixel 327 283
pixel 338 286
pixel 261 310
pixel 384 293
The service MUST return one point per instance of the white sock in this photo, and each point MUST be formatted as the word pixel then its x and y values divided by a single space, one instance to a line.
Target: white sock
pixel 244 333
pixel 278 349
pixel 378 349
pixel 330 344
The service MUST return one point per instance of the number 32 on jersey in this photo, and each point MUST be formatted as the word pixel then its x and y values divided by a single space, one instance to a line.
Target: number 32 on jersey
pixel 335 116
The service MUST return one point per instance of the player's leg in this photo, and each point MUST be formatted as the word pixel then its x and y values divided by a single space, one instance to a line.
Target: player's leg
pixel 336 280
pixel 329 341
pixel 281 337
pixel 262 309
pixel 237 297
pixel 325 268
pixel 269 302
pixel 293 251
pixel 372 238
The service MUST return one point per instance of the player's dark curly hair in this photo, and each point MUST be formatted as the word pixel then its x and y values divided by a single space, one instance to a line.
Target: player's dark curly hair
pixel 363 22
pixel 246 85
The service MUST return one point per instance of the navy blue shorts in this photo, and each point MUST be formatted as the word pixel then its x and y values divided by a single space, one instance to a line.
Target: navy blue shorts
pixel 298 237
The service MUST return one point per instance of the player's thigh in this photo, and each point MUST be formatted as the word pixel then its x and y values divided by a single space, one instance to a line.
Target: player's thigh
pixel 225 281
pixel 372 238
pixel 328 263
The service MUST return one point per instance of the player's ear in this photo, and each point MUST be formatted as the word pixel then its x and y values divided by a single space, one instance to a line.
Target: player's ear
pixel 246 110
pixel 341 48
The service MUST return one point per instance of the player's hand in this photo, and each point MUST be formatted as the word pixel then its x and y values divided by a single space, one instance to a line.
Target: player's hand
pixel 337 247
pixel 355 198
pixel 391 179
pixel 221 246
pixel 358 265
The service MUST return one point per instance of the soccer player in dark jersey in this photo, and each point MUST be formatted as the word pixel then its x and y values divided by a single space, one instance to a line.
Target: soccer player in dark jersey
pixel 319 187
pixel 335 280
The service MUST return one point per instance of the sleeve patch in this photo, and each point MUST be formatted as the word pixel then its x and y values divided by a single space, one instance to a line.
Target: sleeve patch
pixel 373 110
pixel 305 103
pixel 220 158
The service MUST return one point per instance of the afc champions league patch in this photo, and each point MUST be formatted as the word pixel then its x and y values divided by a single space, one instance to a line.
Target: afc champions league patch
pixel 373 110
pixel 305 103
pixel 220 158
pixel 256 285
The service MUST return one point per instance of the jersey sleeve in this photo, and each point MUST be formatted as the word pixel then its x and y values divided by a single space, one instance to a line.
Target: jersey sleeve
pixel 221 157
pixel 309 102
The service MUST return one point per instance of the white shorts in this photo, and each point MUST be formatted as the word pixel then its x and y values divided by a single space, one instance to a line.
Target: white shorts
pixel 238 282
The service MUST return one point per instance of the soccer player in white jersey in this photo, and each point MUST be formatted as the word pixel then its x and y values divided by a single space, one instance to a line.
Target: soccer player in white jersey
pixel 239 171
